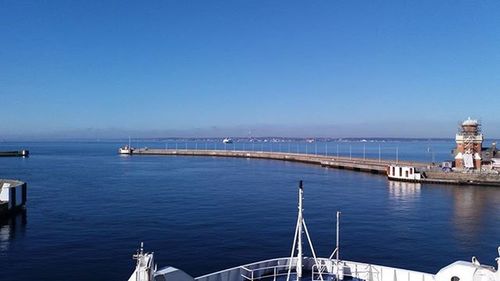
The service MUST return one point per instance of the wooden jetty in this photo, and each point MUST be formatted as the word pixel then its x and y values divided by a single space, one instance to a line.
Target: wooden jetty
pixel 377 166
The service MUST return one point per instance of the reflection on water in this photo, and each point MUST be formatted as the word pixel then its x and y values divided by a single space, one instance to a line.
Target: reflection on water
pixel 471 205
pixel 407 191
pixel 10 228
pixel 470 223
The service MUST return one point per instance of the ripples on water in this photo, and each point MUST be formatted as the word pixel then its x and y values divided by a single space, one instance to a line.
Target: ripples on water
pixel 89 209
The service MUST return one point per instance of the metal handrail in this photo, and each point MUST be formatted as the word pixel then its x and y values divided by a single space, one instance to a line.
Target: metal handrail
pixel 275 273
pixel 368 268
pixel 372 272
pixel 360 269
pixel 355 269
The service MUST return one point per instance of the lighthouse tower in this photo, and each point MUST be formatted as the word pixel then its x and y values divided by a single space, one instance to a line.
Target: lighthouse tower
pixel 469 145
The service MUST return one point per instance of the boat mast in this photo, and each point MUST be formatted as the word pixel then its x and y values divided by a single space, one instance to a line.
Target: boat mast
pixel 337 249
pixel 297 242
pixel 337 242
pixel 299 230
pixel 336 252
pixel 298 236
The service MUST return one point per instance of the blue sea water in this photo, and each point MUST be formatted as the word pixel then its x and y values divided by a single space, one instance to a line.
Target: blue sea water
pixel 89 208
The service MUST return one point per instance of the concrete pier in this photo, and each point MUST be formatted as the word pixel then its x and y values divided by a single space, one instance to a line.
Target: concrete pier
pixel 358 164
pixel 431 174
pixel 462 178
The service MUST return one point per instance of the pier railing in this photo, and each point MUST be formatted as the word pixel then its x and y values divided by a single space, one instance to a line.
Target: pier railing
pixel 351 150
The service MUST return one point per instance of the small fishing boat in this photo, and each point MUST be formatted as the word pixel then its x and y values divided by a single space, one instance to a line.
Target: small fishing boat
pixel 227 140
pixel 127 149
pixel 299 267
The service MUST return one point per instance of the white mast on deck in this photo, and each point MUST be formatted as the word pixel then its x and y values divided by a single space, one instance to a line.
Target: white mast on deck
pixel 337 242
pixel 297 241
pixel 299 230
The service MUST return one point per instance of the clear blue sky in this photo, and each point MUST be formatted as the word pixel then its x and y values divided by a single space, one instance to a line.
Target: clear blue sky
pixel 291 68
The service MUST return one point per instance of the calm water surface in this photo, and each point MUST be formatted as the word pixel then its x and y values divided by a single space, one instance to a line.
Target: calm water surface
pixel 89 209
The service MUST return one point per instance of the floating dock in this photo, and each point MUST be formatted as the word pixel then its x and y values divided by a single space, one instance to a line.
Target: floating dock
pixel 15 153
pixel 13 196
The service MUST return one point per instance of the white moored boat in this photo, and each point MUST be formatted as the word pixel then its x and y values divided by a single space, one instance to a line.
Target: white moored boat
pixel 403 173
pixel 127 149
pixel 227 140
pixel 297 267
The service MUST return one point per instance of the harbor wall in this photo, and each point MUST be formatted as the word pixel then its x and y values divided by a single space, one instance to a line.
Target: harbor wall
pixel 473 178
pixel 432 174
pixel 378 166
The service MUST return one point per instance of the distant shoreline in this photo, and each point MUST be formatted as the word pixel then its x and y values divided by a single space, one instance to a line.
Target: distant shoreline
pixel 235 139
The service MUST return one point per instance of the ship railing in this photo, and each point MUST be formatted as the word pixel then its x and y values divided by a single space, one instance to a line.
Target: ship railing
pixel 362 271
pixel 273 269
pixel 329 269
pixel 341 269
pixel 252 271
pixel 264 272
